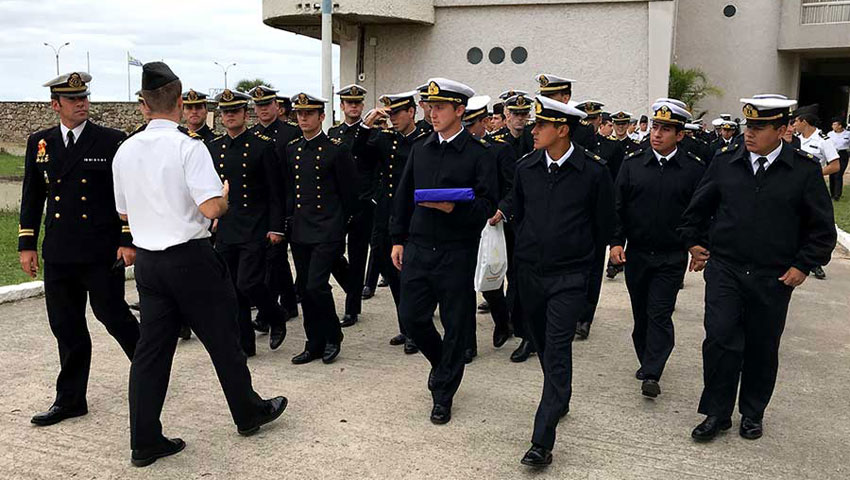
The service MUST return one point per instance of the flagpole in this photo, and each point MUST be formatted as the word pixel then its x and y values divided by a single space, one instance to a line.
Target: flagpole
pixel 128 76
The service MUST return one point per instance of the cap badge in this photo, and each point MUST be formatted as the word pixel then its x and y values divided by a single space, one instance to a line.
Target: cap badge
pixel 520 101
pixel 544 80
pixel 433 88
pixel 302 99
pixel 259 93
pixel 354 91
pixel 750 111
pixel 538 108
pixel 75 81
pixel 663 113
pixel 227 95
pixel 192 96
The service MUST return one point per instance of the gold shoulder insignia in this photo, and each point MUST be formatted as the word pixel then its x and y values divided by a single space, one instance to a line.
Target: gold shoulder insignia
pixel 336 141
pixel 387 130
pixel 483 142
pixel 499 140
pixel 724 149
pixel 218 138
pixel 263 137
pixel 194 135
pixel 695 157
pixel 611 137
pixel 294 141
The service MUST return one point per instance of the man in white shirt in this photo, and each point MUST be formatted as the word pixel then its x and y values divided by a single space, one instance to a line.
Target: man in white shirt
pixel 840 138
pixel 166 186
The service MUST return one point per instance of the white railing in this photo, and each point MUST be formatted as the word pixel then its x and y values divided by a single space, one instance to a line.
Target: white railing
pixel 825 11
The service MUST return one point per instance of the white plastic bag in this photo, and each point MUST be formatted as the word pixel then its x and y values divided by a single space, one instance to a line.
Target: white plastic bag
pixel 492 258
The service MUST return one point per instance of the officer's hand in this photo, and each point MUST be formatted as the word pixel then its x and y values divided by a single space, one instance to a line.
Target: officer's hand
pixel 128 254
pixel 445 207
pixel 793 277
pixel 696 265
pixel 397 255
pixel 374 115
pixel 699 253
pixel 29 262
pixel 498 217
pixel 274 238
pixel 618 255
pixel 225 190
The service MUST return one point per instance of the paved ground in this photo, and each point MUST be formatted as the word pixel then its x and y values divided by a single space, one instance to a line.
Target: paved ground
pixel 366 416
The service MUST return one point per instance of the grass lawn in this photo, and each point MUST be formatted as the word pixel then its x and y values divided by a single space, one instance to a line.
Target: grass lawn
pixel 11 166
pixel 10 267
pixel 842 212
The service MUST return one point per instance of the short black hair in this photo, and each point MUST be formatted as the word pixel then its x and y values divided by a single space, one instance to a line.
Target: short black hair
pixel 809 118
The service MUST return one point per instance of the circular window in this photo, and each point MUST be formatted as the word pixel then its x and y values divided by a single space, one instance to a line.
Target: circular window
pixel 519 55
pixel 730 10
pixel 497 55
pixel 475 55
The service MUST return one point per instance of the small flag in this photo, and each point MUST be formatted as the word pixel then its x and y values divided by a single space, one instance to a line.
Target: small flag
pixel 133 60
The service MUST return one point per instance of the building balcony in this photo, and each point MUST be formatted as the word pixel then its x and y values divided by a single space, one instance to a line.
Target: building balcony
pixel 815 26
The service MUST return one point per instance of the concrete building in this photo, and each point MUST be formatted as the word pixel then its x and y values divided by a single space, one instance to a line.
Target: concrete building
pixel 618 51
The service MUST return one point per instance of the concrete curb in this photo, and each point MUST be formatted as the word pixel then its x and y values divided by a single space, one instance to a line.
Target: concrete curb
pixel 843 238
pixel 13 293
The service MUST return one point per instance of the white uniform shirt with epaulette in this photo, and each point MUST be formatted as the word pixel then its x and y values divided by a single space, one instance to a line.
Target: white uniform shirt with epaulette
pixel 819 145
pixel 161 175
pixel 840 140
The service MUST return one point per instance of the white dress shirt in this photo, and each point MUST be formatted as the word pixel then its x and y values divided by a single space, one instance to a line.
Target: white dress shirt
pixel 771 157
pixel 658 156
pixel 840 140
pixel 820 147
pixel 161 176
pixel 560 161
pixel 78 130
pixel 447 140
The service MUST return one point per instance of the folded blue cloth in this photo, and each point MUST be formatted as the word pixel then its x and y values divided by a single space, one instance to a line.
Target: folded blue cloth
pixel 443 195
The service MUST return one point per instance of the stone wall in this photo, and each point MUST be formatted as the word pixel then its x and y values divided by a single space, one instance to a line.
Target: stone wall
pixel 20 119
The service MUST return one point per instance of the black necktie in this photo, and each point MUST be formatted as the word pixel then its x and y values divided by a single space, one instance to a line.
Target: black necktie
pixel 761 169
pixel 553 169
pixel 70 138
pixel 663 161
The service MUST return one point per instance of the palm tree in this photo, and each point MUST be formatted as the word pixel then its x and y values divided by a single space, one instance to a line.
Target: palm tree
pixel 246 84
pixel 691 86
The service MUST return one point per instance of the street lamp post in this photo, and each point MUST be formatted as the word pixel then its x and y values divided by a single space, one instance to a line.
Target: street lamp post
pixel 225 69
pixel 56 52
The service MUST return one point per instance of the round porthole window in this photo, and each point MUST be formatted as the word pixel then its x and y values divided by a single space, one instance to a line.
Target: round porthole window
pixel 497 55
pixel 519 55
pixel 474 55
pixel 729 11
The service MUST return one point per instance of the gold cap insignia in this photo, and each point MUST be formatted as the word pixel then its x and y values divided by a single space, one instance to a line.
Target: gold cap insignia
pixel 227 95
pixel 259 92
pixel 302 99
pixel 75 81
pixel 750 111
pixel 386 101
pixel 192 95
pixel 538 108
pixel 433 88
pixel 354 91
pixel 544 80
pixel 663 113
pixel 520 101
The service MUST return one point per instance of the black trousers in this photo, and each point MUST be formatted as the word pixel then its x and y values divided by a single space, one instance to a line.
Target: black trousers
pixel 553 304
pixel 744 319
pixel 313 264
pixel 66 287
pixel 185 283
pixel 372 272
pixel 382 253
pixel 350 273
pixel 444 277
pixel 594 286
pixel 279 276
pixel 653 280
pixel 836 180
pixel 247 265
pixel 517 316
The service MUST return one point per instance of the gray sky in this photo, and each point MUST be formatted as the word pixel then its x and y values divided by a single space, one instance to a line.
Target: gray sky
pixel 187 35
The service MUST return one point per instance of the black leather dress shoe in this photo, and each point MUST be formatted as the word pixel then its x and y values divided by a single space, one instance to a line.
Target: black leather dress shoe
pixel 819 273
pixel 56 414
pixel 483 307
pixel 639 374
pixel 522 352
pixel 306 357
pixel 272 409
pixel 582 330
pixel 398 340
pixel 441 414
pixel 367 293
pixel 469 355
pixel 260 326
pixel 185 332
pixel 146 456
pixel 409 347
pixel 751 429
pixel 332 351
pixel 650 388
pixel 277 336
pixel 348 320
pixel 537 457
pixel 501 334
pixel 611 271
pixel 291 313
pixel 710 427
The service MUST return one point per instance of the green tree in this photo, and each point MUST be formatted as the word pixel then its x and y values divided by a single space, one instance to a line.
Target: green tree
pixel 691 86
pixel 246 84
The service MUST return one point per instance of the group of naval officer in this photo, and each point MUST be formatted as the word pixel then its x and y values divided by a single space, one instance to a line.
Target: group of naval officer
pixel 567 186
